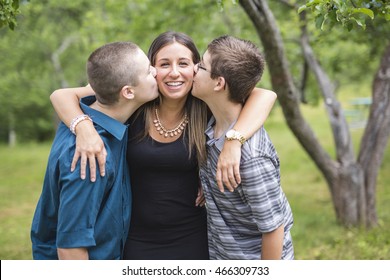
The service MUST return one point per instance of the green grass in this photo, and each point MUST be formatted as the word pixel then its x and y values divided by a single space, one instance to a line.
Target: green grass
pixel 21 175
pixel 316 234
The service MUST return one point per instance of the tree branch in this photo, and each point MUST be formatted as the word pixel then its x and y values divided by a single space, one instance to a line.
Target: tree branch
pixel 288 4
pixel 282 83
pixel 338 122
pixel 377 132
pixel 55 58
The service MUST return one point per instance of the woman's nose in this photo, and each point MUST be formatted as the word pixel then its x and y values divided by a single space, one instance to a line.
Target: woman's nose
pixel 174 71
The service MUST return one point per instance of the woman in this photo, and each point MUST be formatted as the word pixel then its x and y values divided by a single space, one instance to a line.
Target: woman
pixel 166 141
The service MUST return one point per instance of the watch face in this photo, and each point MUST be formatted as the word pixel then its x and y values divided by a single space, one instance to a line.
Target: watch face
pixel 230 133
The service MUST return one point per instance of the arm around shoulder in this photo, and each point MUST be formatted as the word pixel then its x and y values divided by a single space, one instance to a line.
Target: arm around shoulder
pixel 251 119
pixel 89 144
pixel 255 111
pixel 66 102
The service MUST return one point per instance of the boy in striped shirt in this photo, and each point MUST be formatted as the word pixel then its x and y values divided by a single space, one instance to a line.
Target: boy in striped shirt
pixel 253 221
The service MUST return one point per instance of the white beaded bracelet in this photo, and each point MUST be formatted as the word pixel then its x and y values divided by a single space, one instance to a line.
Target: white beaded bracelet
pixel 76 121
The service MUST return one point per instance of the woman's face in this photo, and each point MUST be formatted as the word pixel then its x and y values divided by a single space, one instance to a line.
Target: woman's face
pixel 175 71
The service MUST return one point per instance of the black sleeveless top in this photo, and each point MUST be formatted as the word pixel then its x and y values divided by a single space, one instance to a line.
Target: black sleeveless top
pixel 165 223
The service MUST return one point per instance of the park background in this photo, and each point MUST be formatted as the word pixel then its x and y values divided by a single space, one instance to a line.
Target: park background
pixel 48 49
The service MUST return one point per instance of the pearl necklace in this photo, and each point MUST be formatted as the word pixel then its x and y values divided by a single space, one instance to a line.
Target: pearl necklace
pixel 170 132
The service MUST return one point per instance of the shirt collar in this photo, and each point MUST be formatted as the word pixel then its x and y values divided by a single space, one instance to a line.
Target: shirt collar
pixel 112 126
pixel 210 140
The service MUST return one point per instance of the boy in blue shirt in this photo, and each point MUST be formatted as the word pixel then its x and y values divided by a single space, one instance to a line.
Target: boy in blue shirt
pixel 79 219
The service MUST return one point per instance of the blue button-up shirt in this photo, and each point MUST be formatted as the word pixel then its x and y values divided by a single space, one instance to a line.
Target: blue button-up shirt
pixel 76 213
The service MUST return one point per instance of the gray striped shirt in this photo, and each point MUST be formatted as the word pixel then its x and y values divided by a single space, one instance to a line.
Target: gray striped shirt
pixel 237 220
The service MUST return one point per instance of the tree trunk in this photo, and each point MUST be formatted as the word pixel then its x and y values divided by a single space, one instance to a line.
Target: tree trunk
pixel 347 188
pixel 351 182
pixel 348 196
pixel 11 130
pixel 376 134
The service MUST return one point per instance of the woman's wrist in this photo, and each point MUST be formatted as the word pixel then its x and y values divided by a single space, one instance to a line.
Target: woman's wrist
pixel 77 120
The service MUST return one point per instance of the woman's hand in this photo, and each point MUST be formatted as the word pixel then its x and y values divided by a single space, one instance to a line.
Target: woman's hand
pixel 252 117
pixel 89 147
pixel 228 166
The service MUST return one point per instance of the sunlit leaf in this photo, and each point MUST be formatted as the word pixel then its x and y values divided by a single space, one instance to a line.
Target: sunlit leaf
pixel 365 11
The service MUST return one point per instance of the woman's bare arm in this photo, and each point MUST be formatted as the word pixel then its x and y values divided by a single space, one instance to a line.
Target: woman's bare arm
pixel 66 102
pixel 89 145
pixel 251 119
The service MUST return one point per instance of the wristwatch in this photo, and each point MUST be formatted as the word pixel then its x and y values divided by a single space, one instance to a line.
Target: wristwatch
pixel 235 135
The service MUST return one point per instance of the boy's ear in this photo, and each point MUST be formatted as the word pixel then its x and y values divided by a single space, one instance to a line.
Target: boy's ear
pixel 127 92
pixel 221 84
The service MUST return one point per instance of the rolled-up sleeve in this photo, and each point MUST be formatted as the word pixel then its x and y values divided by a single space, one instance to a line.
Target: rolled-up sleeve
pixel 80 201
pixel 261 187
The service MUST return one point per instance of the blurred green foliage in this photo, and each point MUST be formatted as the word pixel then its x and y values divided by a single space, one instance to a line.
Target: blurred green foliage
pixel 49 47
